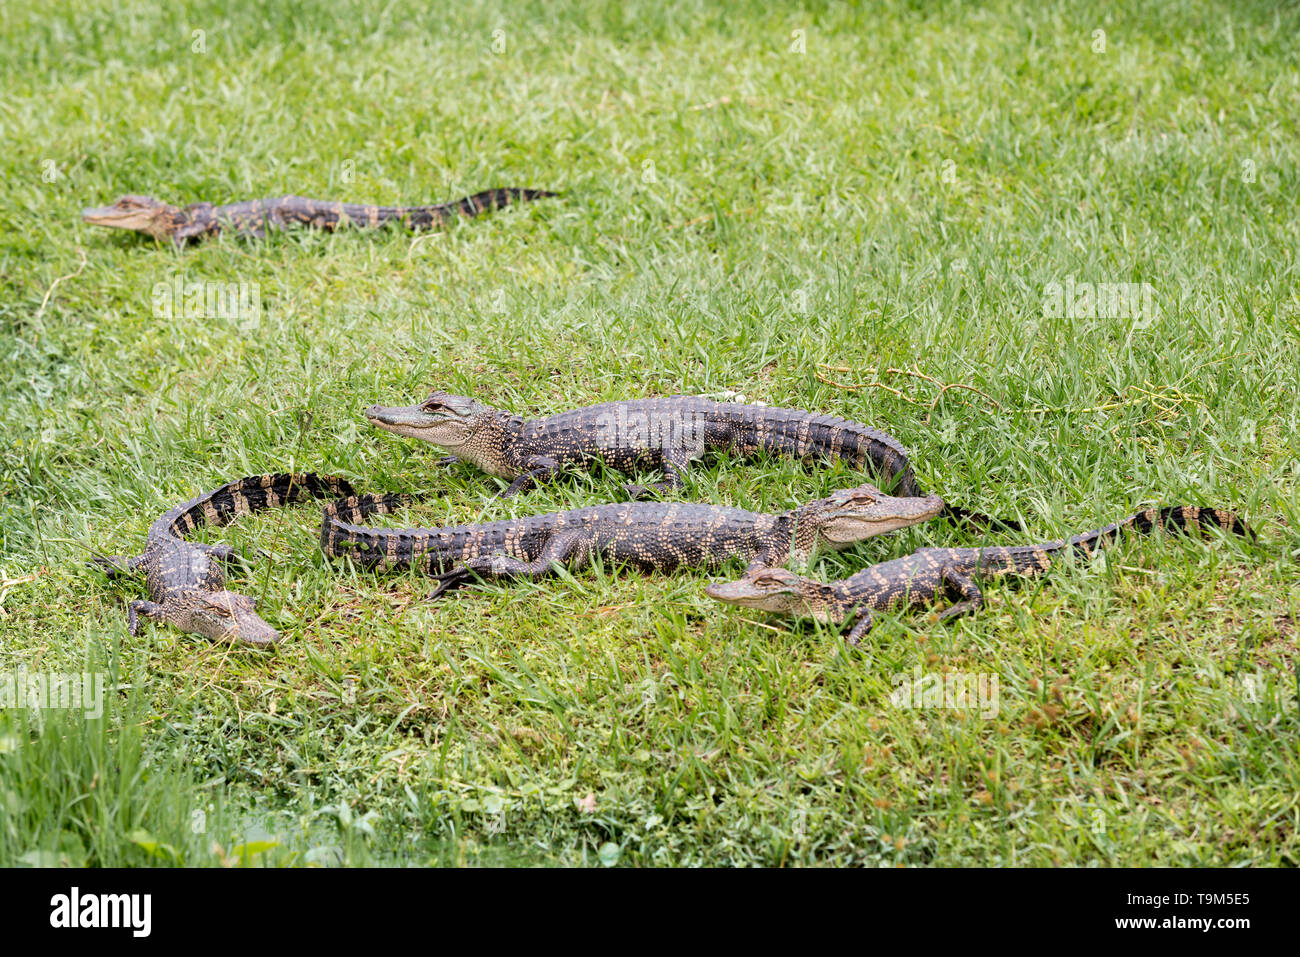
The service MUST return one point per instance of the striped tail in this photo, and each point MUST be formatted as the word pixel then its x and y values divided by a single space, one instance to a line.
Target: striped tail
pixel 247 495
pixel 810 435
pixel 1033 559
pixel 351 510
pixel 424 217
pixel 1171 517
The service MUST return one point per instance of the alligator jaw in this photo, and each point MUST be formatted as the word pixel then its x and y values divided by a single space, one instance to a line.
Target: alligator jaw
pixel 221 616
pixel 864 512
pixel 447 429
pixel 141 214
pixel 776 590
pixel 116 218
pixel 408 420
pixel 741 592
pixel 400 416
pixel 253 630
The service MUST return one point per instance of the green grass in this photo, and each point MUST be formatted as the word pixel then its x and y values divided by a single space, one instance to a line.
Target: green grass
pixel 735 216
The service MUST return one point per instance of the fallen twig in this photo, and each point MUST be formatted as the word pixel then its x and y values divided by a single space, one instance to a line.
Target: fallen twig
pixel 912 373
pixel 49 292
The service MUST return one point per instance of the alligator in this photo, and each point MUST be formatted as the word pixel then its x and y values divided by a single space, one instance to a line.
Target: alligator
pixel 187 587
pixel 649 536
pixel 665 433
pixel 153 217
pixel 928 573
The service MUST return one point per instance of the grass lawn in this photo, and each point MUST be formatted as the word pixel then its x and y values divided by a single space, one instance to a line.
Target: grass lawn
pixel 787 205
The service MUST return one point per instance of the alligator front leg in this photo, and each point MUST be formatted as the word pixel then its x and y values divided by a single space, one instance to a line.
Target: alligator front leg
pixel 115 566
pixel 151 610
pixel 224 553
pixel 967 516
pixel 765 558
pixel 195 230
pixel 538 469
pixel 862 621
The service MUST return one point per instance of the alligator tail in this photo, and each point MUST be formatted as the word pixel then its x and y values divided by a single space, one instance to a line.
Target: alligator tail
pixel 353 508
pixel 1183 517
pixel 243 496
pixel 418 217
pixel 339 518
pixel 1153 519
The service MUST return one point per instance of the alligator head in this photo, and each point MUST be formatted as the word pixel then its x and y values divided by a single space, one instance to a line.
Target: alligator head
pixel 143 214
pixel 463 426
pixel 854 514
pixel 445 420
pixel 222 616
pixel 776 590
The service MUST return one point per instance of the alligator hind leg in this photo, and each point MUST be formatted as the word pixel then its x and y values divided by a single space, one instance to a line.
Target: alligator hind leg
pixel 675 463
pixel 222 553
pixel 571 549
pixel 964 585
pixel 450 580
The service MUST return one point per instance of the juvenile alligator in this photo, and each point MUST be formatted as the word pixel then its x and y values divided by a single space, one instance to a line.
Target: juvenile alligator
pixel 153 217
pixel 928 573
pixel 665 433
pixel 650 536
pixel 187 587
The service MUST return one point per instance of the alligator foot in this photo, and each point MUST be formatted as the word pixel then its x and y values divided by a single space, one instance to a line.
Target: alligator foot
pixel 639 492
pixel 138 609
pixel 970 517
pixel 114 566
pixel 675 465
pixel 449 580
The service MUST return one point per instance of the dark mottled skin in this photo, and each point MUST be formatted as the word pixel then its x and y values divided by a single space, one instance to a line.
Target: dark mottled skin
pixel 187 587
pixel 665 433
pixel 182 224
pixel 649 536
pixel 928 573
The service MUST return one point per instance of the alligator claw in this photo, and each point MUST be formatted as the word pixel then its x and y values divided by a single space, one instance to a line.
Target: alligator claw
pixel 639 492
pixel 112 566
pixel 968 516
pixel 449 580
